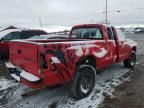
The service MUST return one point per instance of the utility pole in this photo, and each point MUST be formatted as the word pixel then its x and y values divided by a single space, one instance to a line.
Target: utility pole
pixel 106 20
pixel 40 22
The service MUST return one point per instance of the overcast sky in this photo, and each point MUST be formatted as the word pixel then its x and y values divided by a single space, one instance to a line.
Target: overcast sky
pixel 70 12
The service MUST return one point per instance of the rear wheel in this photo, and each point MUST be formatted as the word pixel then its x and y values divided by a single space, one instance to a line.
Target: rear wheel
pixel 130 62
pixel 83 81
pixel 0 56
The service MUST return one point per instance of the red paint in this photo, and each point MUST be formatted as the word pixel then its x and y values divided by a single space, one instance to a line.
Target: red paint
pixel 28 55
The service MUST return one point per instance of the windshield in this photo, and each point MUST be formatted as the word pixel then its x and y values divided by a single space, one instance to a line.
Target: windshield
pixel 87 33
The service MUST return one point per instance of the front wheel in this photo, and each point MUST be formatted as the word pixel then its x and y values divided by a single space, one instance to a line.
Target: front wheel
pixel 83 81
pixel 131 61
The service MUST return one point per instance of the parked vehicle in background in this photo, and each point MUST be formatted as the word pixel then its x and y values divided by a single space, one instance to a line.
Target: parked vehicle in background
pixel 139 31
pixel 90 47
pixel 12 34
pixel 7 27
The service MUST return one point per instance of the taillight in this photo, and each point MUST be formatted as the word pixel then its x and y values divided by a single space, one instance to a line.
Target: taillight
pixel 43 62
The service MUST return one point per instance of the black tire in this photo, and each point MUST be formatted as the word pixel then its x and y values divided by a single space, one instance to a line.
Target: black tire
pixel 83 81
pixel 0 56
pixel 130 63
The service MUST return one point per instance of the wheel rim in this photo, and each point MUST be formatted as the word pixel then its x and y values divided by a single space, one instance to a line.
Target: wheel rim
pixel 132 60
pixel 86 82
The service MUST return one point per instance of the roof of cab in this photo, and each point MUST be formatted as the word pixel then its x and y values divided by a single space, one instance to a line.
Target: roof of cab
pixel 90 25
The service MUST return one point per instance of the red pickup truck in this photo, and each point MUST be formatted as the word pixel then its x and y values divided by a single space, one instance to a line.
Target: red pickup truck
pixel 90 47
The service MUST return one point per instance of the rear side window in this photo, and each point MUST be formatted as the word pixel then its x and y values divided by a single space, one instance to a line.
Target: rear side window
pixel 110 33
pixel 87 33
pixel 114 33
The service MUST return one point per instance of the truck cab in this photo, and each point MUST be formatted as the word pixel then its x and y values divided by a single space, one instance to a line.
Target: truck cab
pixel 111 38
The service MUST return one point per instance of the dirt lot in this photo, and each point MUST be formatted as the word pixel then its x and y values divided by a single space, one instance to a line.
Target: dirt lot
pixel 116 87
pixel 130 94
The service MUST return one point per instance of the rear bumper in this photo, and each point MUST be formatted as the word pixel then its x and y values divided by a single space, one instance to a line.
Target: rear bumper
pixel 21 75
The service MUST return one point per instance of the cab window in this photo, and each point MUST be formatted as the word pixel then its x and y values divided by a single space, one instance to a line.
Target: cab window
pixel 94 33
pixel 110 33
pixel 114 33
pixel 121 35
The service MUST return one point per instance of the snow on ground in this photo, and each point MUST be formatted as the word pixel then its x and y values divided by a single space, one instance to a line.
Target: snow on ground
pixel 60 97
pixel 5 84
pixel 5 88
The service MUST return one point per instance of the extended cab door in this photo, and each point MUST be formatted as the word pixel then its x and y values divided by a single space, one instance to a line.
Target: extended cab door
pixel 123 47
pixel 111 46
